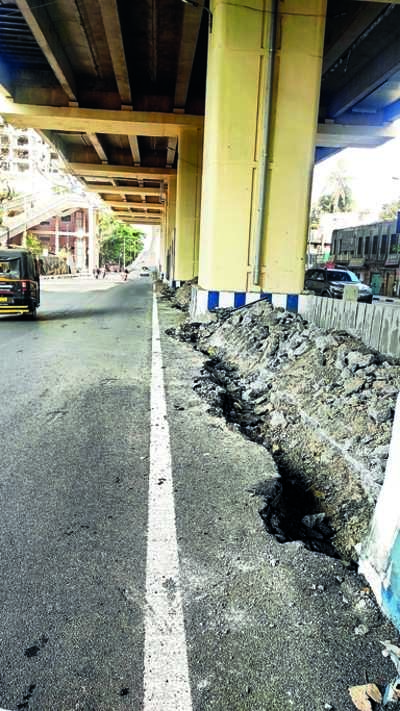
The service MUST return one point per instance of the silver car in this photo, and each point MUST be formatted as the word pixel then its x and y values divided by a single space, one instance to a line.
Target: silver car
pixel 331 282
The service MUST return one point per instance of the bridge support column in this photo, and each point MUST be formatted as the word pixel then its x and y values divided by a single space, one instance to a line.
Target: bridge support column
pixel 232 237
pixel 93 256
pixel 171 229
pixel 171 226
pixel 188 199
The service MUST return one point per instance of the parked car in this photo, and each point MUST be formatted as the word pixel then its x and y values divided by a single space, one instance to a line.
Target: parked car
pixel 331 282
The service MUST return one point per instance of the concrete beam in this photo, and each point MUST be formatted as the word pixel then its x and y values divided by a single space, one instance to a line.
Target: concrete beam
pixel 190 31
pixel 133 205
pixel 94 140
pixel 45 34
pixel 112 27
pixel 138 217
pixel 365 15
pixel 5 80
pixel 128 123
pixel 122 190
pixel 171 150
pixel 373 75
pixel 134 146
pixel 120 171
pixel 334 135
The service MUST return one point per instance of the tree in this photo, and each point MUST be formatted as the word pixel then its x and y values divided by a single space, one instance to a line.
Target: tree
pixel 338 196
pixel 33 244
pixel 117 239
pixel 315 216
pixel 389 210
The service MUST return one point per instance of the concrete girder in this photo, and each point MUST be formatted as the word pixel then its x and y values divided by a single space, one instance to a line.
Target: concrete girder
pixel 190 32
pixel 94 140
pixel 137 216
pixel 121 171
pixel 112 27
pixel 5 80
pixel 374 73
pixel 133 205
pixel 334 135
pixel 132 217
pixel 134 146
pixel 122 189
pixel 48 40
pixel 364 17
pixel 171 150
pixel 77 120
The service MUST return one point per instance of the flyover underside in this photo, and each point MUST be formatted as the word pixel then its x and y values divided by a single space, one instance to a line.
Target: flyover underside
pixel 119 87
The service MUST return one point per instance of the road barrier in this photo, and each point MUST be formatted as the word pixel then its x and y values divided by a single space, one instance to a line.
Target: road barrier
pixel 376 324
pixel 380 554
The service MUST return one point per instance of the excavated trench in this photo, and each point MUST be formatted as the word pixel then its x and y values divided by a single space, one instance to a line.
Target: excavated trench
pixel 291 511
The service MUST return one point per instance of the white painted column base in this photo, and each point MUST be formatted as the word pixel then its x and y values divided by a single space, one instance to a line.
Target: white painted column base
pixel 204 301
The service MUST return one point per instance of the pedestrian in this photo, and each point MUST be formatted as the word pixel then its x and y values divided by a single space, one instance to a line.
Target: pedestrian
pixel 97 272
pixel 103 272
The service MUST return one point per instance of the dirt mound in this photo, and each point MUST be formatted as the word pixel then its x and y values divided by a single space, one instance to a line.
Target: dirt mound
pixel 321 402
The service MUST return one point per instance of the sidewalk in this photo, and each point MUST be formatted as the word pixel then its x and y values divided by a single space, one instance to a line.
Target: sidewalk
pixel 269 626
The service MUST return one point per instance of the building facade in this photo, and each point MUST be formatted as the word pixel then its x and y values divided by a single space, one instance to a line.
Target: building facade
pixel 68 235
pixel 372 252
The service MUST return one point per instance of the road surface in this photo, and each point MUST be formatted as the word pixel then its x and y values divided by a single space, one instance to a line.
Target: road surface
pixel 103 482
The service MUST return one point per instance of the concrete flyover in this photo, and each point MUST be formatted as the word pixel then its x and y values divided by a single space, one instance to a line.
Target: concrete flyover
pixel 120 89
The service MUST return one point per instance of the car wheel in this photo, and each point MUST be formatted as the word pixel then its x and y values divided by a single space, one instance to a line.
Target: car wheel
pixel 32 314
pixel 325 293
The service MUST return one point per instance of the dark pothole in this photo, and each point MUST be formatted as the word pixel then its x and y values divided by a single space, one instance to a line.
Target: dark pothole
pixel 291 511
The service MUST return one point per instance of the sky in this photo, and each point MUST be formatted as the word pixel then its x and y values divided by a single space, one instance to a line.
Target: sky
pixel 374 173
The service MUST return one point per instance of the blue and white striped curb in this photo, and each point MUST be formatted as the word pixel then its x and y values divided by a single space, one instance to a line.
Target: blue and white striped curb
pixel 203 300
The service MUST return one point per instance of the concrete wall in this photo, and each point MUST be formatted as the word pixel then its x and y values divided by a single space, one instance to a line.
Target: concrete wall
pixel 380 557
pixel 377 324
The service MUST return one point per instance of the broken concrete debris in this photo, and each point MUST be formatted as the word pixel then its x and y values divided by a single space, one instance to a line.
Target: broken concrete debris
pixel 180 298
pixel 361 696
pixel 321 402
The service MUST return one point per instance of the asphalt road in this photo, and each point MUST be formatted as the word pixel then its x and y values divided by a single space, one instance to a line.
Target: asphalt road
pixel 266 628
pixel 73 483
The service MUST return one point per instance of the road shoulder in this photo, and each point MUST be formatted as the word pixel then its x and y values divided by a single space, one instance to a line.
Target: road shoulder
pixel 269 626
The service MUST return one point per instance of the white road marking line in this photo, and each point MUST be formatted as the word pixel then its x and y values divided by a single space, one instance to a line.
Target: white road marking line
pixel 166 671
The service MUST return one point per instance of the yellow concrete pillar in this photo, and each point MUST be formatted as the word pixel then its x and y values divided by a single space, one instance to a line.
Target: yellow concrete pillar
pixel 188 198
pixel 162 251
pixel 171 228
pixel 298 79
pixel 235 103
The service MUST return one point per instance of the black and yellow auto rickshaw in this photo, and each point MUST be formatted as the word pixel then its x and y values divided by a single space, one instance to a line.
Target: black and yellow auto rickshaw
pixel 19 282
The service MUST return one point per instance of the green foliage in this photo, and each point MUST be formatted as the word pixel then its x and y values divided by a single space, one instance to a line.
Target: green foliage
pixel 389 210
pixel 338 196
pixel 115 237
pixel 33 244
pixel 314 217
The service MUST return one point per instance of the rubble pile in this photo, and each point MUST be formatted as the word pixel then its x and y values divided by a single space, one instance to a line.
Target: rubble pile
pixel 182 296
pixel 321 402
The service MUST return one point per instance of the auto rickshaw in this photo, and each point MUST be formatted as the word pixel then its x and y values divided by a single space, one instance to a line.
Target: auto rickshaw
pixel 19 282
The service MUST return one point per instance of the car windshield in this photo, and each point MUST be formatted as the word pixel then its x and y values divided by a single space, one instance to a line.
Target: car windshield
pixel 342 276
pixel 10 268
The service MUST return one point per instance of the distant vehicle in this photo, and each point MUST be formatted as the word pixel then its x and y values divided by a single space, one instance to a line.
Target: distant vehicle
pixel 331 282
pixel 145 272
pixel 19 282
